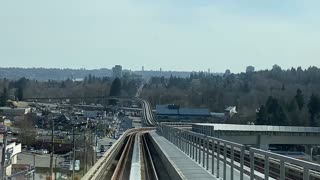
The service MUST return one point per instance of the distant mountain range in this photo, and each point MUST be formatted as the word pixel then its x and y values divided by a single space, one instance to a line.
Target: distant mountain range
pixel 44 74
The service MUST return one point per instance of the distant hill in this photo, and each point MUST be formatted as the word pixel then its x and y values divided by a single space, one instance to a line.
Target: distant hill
pixel 44 74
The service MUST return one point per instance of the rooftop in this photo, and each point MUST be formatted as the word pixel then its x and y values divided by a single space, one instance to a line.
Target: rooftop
pixel 165 110
pixel 261 128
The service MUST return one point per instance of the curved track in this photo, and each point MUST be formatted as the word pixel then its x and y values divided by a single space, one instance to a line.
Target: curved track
pixel 147 114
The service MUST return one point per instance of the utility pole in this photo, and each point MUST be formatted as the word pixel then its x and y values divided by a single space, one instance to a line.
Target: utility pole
pixel 96 144
pixel 55 167
pixel 34 166
pixel 3 164
pixel 52 148
pixel 85 154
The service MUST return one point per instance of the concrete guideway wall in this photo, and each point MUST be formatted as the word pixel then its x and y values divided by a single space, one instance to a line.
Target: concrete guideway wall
pixel 100 167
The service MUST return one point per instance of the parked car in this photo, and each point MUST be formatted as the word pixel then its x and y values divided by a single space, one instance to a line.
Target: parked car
pixel 102 149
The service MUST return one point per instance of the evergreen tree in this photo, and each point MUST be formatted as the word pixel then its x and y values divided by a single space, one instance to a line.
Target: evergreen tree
pixel 115 90
pixel 300 99
pixel 4 97
pixel 314 109
pixel 261 116
pixel 276 114
pixel 19 93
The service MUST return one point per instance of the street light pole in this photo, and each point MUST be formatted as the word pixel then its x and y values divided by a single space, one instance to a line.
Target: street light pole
pixel 52 149
pixel 34 166
pixel 74 152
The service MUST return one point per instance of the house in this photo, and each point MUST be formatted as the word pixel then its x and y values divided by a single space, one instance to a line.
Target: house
pixel 231 111
pixel 95 114
pixel 13 112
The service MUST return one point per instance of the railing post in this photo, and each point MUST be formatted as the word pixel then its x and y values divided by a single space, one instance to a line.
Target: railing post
pixel 184 142
pixel 175 137
pixel 207 140
pixel 179 139
pixel 305 173
pixel 188 143
pixel 218 158
pixel 203 151
pixel 282 170
pixel 185 145
pixel 251 165
pixel 232 162
pixel 224 160
pixel 192 147
pixel 241 162
pixel 196 145
pixel 189 149
pixel 213 149
pixel 266 167
pixel 199 149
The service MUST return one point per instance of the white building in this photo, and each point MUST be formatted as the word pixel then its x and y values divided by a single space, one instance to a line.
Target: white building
pixel 11 153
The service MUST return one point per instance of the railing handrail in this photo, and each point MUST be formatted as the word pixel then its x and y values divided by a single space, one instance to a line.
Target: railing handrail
pixel 287 159
pixel 183 137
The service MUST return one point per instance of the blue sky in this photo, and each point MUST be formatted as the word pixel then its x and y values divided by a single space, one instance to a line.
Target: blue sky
pixel 175 35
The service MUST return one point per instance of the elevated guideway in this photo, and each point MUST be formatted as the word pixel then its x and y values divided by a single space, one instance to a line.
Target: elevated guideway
pixel 260 135
pixel 198 154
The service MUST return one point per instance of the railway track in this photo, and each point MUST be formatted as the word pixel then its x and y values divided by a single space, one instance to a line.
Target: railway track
pixel 136 160
pixel 150 172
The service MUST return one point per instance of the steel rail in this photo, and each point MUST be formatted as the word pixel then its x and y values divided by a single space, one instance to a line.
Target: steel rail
pixel 149 161
pixel 118 172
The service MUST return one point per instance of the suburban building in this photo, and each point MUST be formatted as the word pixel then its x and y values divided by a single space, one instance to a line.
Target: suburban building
pixel 13 112
pixel 95 114
pixel 11 152
pixel 176 112
pixel 250 69
pixel 126 123
pixel 227 72
pixel 117 71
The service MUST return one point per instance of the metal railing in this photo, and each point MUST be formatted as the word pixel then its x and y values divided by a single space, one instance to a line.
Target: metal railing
pixel 216 154
pixel 202 148
pixel 283 161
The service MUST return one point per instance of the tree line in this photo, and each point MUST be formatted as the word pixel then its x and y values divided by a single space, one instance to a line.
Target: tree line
pixel 274 97
pixel 90 86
